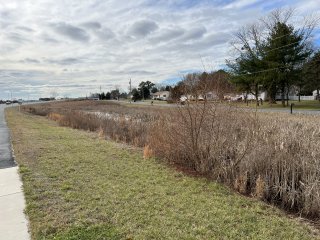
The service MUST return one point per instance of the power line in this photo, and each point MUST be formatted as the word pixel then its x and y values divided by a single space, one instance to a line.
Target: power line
pixel 266 70
pixel 282 46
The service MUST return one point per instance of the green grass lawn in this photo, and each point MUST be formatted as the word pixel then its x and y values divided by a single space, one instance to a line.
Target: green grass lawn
pixel 302 105
pixel 82 188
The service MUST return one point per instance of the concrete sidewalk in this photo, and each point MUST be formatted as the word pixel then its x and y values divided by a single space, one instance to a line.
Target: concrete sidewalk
pixel 13 223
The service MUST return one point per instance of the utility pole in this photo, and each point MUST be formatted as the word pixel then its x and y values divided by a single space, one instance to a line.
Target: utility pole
pixel 130 90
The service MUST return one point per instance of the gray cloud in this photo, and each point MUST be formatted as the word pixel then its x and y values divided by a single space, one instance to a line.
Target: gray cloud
pixel 48 39
pixel 168 34
pixel 64 61
pixel 17 37
pixel 194 33
pixel 100 32
pixel 16 74
pixel 92 25
pixel 5 14
pixel 72 32
pixel 141 72
pixel 30 60
pixel 104 34
pixel 41 45
pixel 134 72
pixel 215 39
pixel 25 29
pixel 142 28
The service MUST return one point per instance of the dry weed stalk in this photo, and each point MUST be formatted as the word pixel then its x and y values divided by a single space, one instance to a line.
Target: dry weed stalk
pixel 260 188
pixel 101 133
pixel 147 152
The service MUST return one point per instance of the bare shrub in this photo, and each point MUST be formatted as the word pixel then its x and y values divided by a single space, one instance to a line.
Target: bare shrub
pixel 207 138
pixel 36 109
pixel 274 157
pixel 79 120
pixel 55 117
pixel 131 131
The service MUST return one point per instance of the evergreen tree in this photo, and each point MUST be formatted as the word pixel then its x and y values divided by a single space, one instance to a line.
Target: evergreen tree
pixel 154 89
pixel 144 88
pixel 136 94
pixel 103 96
pixel 271 55
pixel 285 52
pixel 115 94
pixel 108 96
pixel 312 74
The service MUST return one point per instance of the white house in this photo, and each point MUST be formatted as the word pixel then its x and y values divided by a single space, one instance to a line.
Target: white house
pixel 189 97
pixel 207 96
pixel 211 96
pixel 163 95
pixel 249 97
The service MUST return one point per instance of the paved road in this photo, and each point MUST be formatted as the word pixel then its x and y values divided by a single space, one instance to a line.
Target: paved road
pixel 13 222
pixel 5 146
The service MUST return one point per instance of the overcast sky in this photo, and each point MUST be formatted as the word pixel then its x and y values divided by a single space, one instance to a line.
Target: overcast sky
pixel 72 47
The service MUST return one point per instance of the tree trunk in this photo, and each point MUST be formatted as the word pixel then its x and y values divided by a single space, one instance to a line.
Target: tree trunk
pixel 272 92
pixel 282 97
pixel 246 99
pixel 257 94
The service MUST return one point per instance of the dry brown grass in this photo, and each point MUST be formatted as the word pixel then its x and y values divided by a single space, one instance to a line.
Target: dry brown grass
pixel 274 157
pixel 112 120
pixel 55 117
pixel 147 152
pixel 240 183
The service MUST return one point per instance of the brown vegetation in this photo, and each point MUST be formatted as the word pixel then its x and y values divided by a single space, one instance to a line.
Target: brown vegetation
pixel 274 157
pixel 109 119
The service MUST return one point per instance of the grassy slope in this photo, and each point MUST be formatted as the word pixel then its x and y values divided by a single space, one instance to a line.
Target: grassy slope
pixel 80 187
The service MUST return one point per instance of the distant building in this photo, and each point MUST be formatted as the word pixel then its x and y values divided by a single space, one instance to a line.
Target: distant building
pixel 211 96
pixel 163 95
pixel 202 97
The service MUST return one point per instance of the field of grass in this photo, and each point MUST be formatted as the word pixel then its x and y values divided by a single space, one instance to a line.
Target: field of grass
pixel 78 186
pixel 302 105
pixel 147 101
pixel 288 179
